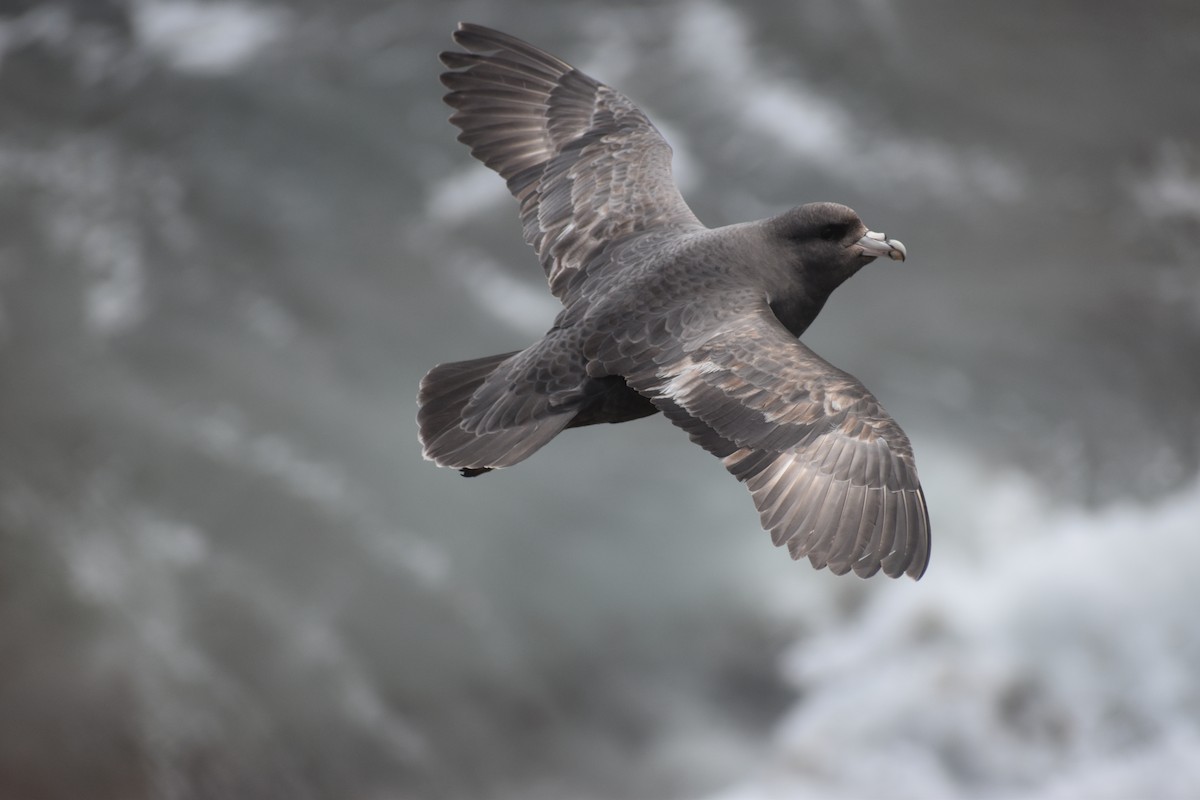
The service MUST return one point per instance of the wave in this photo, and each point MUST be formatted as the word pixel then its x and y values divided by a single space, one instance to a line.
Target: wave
pixel 1050 652
pixel 206 38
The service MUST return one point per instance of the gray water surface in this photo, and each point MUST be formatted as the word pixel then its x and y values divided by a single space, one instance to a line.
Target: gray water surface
pixel 235 234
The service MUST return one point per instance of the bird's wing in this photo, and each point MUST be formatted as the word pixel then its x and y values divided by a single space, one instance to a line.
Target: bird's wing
pixel 584 162
pixel 831 472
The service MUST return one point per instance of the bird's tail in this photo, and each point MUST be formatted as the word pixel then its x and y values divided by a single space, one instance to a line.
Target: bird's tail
pixel 451 437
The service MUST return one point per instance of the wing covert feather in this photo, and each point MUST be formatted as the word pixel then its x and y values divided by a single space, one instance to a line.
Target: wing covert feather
pixel 832 475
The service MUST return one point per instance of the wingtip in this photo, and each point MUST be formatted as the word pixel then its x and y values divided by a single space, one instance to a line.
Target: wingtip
pixel 474 472
pixel 920 562
pixel 465 30
pixel 925 543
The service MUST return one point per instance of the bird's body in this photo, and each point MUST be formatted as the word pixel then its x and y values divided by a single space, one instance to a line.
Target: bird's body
pixel 661 313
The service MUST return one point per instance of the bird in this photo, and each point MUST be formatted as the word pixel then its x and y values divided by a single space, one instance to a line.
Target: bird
pixel 661 313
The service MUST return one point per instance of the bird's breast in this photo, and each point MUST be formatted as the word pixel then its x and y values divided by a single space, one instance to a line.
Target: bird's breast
pixel 796 311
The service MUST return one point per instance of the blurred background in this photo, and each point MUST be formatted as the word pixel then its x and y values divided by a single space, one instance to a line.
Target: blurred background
pixel 234 235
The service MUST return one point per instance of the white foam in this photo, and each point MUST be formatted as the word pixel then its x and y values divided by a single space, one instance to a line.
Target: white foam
pixel 206 37
pixel 115 296
pixel 96 193
pixel 132 563
pixel 525 307
pixel 712 40
pixel 48 25
pixel 228 437
pixel 1047 652
pixel 465 194
pixel 1168 196
pixel 1172 187
pixel 685 168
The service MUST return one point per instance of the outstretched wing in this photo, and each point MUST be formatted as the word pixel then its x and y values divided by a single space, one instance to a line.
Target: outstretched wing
pixel 831 473
pixel 584 162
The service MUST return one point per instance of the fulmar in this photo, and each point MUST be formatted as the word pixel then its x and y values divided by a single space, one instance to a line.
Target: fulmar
pixel 661 313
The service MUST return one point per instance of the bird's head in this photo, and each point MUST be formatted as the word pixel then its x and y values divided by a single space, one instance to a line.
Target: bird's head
pixel 829 243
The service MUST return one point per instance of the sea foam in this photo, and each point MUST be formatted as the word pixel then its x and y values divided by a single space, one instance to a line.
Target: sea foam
pixel 1049 652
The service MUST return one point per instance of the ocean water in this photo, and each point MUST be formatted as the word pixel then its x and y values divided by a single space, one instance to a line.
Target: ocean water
pixel 234 234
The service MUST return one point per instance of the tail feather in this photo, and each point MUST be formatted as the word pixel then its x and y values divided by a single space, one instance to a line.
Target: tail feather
pixel 443 398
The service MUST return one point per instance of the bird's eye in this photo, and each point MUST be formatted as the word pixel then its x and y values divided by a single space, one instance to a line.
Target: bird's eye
pixel 832 232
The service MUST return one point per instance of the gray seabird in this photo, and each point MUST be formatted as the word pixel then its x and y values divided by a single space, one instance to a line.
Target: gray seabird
pixel 661 313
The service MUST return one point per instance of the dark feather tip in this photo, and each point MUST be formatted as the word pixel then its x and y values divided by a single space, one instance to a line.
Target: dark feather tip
pixel 471 472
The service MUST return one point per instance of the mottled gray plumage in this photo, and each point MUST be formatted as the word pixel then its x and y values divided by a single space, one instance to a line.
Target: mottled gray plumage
pixel 661 313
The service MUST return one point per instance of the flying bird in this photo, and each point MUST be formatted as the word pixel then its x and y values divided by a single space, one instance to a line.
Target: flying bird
pixel 661 313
